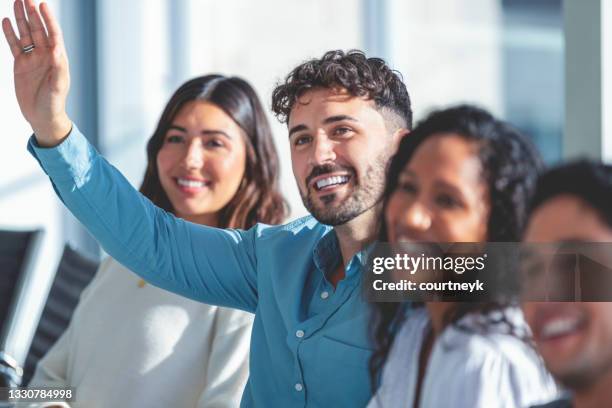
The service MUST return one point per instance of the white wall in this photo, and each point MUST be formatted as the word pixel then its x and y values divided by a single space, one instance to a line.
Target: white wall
pixel 588 64
pixel 134 79
pixel 448 51
pixel 606 49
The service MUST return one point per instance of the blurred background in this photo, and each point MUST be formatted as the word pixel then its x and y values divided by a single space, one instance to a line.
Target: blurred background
pixel 538 63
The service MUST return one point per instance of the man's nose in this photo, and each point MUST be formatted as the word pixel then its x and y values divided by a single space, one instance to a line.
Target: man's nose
pixel 323 151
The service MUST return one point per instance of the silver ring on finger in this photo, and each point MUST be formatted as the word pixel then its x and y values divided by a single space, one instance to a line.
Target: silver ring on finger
pixel 28 48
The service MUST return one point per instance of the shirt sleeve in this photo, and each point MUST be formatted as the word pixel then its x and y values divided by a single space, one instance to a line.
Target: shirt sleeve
pixel 227 370
pixel 206 264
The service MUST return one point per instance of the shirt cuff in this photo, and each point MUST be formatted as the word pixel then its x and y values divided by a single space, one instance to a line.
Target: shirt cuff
pixel 70 160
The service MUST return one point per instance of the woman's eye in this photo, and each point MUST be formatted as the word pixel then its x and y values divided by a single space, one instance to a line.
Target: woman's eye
pixel 174 139
pixel 214 143
pixel 301 140
pixel 447 201
pixel 407 187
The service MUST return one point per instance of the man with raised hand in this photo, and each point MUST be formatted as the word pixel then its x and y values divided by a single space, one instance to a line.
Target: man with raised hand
pixel 346 114
pixel 574 339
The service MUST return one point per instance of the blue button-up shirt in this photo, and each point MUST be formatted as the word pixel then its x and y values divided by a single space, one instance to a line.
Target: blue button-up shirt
pixel 309 345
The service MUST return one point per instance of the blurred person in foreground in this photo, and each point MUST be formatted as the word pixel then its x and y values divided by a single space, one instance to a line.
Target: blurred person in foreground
pixel 573 204
pixel 211 161
pixel 346 114
pixel 462 176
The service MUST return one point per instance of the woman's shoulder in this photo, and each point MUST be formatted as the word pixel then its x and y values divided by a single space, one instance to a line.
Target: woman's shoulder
pixel 503 340
pixel 507 374
pixel 407 341
pixel 400 369
pixel 111 274
pixel 230 320
pixel 410 331
pixel 114 283
pixel 495 364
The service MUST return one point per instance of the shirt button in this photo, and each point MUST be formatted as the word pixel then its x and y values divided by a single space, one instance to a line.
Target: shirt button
pixel 299 387
pixel 299 334
pixel 324 295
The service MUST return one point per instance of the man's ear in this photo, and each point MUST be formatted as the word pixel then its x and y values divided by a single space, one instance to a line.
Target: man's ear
pixel 397 137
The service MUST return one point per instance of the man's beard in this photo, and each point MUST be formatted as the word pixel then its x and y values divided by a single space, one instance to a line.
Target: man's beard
pixel 587 375
pixel 367 192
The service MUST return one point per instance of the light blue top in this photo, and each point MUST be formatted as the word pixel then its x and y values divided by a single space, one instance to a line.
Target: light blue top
pixel 309 345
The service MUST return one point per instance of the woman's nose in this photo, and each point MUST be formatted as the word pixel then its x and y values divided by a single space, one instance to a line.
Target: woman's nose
pixel 416 217
pixel 194 156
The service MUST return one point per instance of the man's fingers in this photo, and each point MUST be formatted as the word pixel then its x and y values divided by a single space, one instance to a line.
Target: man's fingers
pixel 37 30
pixel 22 24
pixel 53 29
pixel 11 37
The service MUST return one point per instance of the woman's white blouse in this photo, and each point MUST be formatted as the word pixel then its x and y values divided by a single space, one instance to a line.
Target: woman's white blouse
pixel 131 346
pixel 465 370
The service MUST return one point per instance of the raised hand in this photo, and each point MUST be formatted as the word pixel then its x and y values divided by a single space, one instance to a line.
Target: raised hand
pixel 42 77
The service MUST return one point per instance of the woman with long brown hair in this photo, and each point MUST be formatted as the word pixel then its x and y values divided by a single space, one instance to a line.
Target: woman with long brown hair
pixel 211 161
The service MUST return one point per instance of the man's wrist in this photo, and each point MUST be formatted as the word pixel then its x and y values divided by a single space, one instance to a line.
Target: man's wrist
pixel 53 133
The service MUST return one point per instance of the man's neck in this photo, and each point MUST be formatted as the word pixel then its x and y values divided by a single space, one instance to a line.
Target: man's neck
pixel 357 233
pixel 597 396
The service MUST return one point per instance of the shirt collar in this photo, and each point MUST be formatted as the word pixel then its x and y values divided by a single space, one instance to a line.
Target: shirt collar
pixel 326 253
pixel 327 256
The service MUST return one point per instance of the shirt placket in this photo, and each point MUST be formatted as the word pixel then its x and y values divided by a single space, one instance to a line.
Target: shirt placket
pixel 304 331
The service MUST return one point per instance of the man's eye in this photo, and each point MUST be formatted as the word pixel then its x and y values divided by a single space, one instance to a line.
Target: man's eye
pixel 342 131
pixel 174 139
pixel 533 269
pixel 301 140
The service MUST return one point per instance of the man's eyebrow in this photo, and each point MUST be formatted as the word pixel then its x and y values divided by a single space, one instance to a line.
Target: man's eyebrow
pixel 327 121
pixel 339 118
pixel 297 128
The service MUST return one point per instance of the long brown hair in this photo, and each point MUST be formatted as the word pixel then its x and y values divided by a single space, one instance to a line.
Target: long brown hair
pixel 257 198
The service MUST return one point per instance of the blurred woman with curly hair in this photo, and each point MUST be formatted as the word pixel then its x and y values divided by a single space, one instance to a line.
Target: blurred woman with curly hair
pixel 460 176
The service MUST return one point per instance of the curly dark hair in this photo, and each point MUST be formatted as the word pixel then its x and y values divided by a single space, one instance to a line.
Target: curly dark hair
pixel 588 180
pixel 510 166
pixel 360 76
pixel 258 198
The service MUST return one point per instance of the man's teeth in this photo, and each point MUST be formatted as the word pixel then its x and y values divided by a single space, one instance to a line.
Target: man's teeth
pixel 559 327
pixel 331 181
pixel 190 183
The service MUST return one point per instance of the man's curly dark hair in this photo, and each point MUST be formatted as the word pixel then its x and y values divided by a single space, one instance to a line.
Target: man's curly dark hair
pixel 360 76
